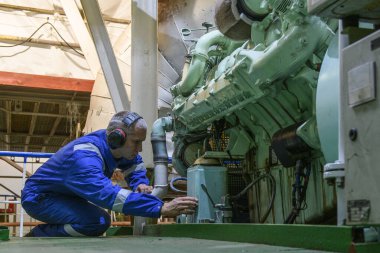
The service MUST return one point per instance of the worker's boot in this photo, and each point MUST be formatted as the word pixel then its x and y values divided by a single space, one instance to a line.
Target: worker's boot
pixel 29 234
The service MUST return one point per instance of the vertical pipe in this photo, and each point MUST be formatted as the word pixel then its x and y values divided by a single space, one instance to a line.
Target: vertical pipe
pixel 144 67
pixel 339 182
pixel 22 209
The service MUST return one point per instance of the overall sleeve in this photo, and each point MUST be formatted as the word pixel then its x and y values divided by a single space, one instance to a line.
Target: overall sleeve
pixel 86 179
pixel 135 174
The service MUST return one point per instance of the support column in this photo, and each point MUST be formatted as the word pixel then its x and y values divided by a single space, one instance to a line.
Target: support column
pixel 106 55
pixel 144 67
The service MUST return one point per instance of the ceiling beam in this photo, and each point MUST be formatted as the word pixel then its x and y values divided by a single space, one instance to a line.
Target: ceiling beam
pixel 32 125
pixel 45 82
pixel 38 146
pixel 82 35
pixel 59 11
pixel 9 123
pixel 45 136
pixel 106 55
pixel 41 114
pixel 33 97
pixel 52 132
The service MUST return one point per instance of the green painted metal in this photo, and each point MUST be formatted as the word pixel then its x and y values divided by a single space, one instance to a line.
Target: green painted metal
pixel 240 142
pixel 117 231
pixel 328 238
pixel 257 7
pixel 267 84
pixel 253 75
pixel 365 247
pixel 4 233
pixel 199 61
pixel 214 178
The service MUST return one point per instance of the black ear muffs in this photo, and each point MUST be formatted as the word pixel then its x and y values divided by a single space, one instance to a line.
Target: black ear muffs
pixel 118 137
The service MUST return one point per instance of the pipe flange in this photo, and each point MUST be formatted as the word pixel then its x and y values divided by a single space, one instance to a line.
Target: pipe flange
pixel 334 170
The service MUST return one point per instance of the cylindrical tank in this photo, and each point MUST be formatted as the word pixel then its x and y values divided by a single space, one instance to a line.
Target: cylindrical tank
pixel 214 177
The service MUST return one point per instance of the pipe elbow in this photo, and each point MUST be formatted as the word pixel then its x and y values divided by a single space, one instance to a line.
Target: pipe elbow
pixel 160 191
pixel 161 126
pixel 200 57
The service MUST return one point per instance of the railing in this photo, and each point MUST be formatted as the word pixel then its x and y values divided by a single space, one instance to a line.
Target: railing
pixel 25 155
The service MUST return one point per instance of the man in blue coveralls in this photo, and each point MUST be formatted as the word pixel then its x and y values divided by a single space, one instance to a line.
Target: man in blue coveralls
pixel 70 190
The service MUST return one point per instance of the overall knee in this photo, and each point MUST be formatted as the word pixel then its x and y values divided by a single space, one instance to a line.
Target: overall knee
pixel 102 226
pixel 95 229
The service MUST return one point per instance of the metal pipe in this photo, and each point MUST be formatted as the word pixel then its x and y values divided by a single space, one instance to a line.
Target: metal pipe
pixel 11 177
pixel 25 154
pixel 160 155
pixel 14 165
pixel 59 11
pixel 22 209
pixel 14 194
pixel 11 201
pixel 11 38
pixel 339 181
pixel 198 63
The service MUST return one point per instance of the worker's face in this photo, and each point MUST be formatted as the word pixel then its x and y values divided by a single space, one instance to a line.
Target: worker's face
pixel 133 145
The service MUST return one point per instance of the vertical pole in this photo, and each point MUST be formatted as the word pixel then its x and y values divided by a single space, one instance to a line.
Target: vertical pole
pixel 339 182
pixel 144 67
pixel 144 76
pixel 22 209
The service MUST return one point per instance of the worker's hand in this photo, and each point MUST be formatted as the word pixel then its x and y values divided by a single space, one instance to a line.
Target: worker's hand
pixel 180 205
pixel 143 188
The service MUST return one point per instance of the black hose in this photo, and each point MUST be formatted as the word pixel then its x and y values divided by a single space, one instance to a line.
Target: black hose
pixel 273 195
pixel 270 207
pixel 301 191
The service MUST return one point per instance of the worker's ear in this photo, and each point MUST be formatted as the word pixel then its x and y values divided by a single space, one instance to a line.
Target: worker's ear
pixel 116 138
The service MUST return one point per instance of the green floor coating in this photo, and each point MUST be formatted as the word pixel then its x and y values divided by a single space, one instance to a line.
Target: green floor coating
pixel 131 244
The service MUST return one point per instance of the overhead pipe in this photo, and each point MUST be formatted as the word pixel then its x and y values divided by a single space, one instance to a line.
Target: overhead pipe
pixel 18 39
pixel 59 11
pixel 198 63
pixel 26 154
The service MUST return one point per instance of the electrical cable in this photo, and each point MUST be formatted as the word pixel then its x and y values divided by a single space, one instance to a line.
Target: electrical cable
pixel 175 180
pixel 254 182
pixel 299 191
pixel 46 23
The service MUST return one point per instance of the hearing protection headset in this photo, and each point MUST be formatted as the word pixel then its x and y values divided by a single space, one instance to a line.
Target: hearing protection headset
pixel 117 137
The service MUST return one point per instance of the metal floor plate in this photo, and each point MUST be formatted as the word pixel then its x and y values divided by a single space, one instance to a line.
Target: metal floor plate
pixel 130 244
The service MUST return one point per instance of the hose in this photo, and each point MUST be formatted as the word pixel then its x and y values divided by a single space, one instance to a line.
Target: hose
pixel 173 180
pixel 299 191
pixel 273 195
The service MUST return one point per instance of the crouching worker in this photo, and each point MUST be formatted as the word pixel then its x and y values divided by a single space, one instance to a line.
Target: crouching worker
pixel 70 190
